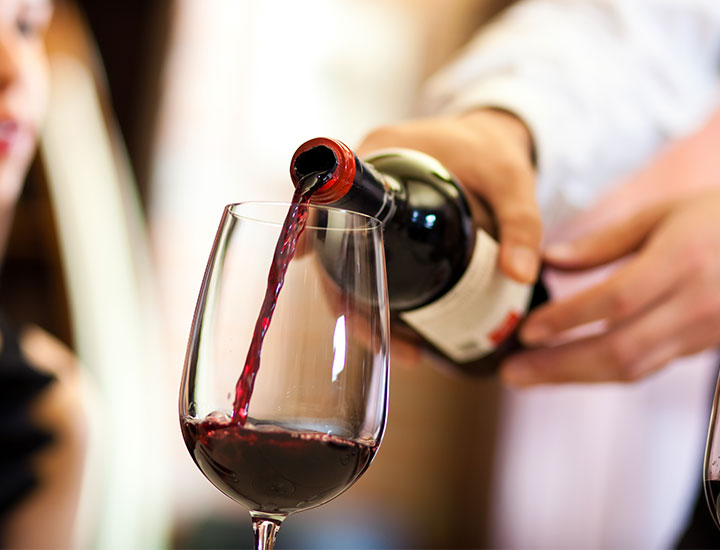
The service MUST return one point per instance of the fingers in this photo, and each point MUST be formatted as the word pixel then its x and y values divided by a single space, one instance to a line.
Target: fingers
pixel 608 244
pixel 490 153
pixel 507 183
pixel 626 352
pixel 505 178
pixel 636 285
pixel 518 219
pixel 404 351
pixel 591 360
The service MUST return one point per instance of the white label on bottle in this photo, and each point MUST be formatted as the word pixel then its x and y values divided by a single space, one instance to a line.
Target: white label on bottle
pixel 478 313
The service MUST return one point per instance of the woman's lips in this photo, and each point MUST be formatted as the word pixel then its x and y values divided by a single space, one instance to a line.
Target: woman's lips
pixel 14 137
pixel 9 135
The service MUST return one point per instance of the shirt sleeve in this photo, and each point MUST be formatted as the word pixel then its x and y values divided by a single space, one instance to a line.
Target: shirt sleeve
pixel 602 85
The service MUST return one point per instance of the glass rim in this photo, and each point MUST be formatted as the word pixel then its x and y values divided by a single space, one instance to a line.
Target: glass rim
pixel 373 223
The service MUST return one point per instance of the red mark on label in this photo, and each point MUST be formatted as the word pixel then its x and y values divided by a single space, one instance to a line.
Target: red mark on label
pixel 505 328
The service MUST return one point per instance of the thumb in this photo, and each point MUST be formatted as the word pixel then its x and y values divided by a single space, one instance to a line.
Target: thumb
pixel 607 244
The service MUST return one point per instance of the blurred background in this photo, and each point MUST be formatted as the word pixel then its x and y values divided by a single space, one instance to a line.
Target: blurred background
pixel 161 113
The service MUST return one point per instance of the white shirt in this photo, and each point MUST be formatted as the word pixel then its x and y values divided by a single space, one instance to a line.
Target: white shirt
pixel 603 85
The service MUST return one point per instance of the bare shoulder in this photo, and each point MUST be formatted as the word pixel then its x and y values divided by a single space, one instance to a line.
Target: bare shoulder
pixel 47 353
pixel 62 407
pixel 63 410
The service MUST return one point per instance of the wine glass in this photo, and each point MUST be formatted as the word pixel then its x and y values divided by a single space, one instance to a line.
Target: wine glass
pixel 283 400
pixel 711 468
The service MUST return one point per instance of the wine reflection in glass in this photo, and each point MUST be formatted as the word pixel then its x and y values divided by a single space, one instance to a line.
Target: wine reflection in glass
pixel 284 410
pixel 711 469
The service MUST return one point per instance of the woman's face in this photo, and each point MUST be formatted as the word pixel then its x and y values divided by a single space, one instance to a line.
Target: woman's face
pixel 23 89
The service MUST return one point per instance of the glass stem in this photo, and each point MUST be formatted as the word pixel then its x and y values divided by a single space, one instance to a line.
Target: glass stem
pixel 265 530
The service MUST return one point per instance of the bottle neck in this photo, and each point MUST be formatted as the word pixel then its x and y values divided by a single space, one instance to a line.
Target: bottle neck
pixel 329 171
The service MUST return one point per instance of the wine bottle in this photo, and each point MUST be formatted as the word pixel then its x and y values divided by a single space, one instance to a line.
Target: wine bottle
pixel 441 246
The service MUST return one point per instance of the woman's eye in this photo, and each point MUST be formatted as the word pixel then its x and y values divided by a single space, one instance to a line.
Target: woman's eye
pixel 27 28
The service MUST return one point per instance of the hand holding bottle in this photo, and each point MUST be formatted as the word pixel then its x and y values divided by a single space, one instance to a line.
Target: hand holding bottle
pixel 490 152
pixel 663 303
pixel 445 274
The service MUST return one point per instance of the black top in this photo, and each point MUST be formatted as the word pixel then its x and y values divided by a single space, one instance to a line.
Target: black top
pixel 20 384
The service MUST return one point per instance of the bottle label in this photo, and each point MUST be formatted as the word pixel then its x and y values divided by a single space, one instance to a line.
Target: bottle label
pixel 478 313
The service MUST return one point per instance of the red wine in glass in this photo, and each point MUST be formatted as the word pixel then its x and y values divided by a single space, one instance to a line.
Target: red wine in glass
pixel 319 409
pixel 273 470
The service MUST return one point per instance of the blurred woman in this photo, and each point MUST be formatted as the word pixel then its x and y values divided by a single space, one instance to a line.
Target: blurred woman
pixel 41 421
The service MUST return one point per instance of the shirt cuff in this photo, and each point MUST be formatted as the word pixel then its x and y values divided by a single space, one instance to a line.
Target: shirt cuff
pixel 542 113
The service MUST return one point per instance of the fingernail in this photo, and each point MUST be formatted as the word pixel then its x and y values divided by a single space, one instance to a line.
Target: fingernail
pixel 560 252
pixel 535 333
pixel 524 261
pixel 517 373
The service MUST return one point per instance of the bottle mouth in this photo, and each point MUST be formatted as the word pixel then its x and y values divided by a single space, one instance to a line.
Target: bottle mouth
pixel 333 164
